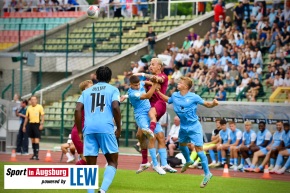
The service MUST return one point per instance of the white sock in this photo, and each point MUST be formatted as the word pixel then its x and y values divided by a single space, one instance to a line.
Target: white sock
pixel 213 162
pixel 68 155
pixel 102 191
pixel 195 163
pixel 248 161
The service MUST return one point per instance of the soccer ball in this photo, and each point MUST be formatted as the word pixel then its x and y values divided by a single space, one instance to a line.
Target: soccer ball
pixel 93 11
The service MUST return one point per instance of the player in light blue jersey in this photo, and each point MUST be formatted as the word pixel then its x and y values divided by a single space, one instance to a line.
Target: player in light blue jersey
pixel 185 106
pixel 236 140
pixel 224 145
pixel 100 104
pixel 278 169
pixel 264 137
pixel 140 102
pixel 248 140
pixel 270 152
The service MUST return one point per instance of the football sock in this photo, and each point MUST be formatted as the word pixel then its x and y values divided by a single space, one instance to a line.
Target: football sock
pixel 185 152
pixel 163 156
pixel 152 152
pixel 108 177
pixel 204 162
pixel 144 156
pixel 212 155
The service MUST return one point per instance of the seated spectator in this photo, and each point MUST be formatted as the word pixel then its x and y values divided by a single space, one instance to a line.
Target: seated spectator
pixel 278 81
pixel 234 60
pixel 243 84
pixel 174 48
pixel 256 90
pixel 228 22
pixel 250 71
pixel 219 82
pixel 221 95
pixel 64 6
pixel 240 41
pixel 286 81
pixel 176 74
pixel 230 83
pixel 186 44
pixel 218 49
pixel 13 6
pixel 285 65
pixel 198 44
pixel 172 138
pixel 271 75
pixel 256 60
pixel 210 61
pixel 41 5
pixel 210 84
pixel 172 87
pixel 126 83
pixel 135 67
pixel 69 150
pixel 191 36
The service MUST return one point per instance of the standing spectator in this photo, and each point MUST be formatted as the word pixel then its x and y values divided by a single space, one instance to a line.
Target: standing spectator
pixel 22 137
pixel 239 14
pixel 221 95
pixel 246 5
pixel 35 118
pixel 172 138
pixel 219 11
pixel 151 37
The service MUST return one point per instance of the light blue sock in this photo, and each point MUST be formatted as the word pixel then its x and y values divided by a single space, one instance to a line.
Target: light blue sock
pixel 152 152
pixel 185 152
pixel 235 161
pixel 108 177
pixel 279 160
pixel 223 160
pixel 261 167
pixel 272 161
pixel 242 161
pixel 231 161
pixel 220 156
pixel 91 190
pixel 212 155
pixel 252 166
pixel 287 164
pixel 163 156
pixel 204 162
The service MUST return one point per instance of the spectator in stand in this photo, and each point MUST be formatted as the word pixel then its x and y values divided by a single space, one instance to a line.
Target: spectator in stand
pixel 73 3
pixel 198 44
pixel 246 5
pixel 230 83
pixel 255 91
pixel 176 74
pixel 221 95
pixel 228 22
pixel 172 87
pixel 151 37
pixel 218 49
pixel 142 8
pixel 174 48
pixel 186 44
pixel 191 36
pixel 243 84
pixel 117 83
pixel 211 61
pixel 239 14
pixel 278 81
pixel 135 68
pixel 271 75
pixel 172 138
pixel 286 81
pixel 218 11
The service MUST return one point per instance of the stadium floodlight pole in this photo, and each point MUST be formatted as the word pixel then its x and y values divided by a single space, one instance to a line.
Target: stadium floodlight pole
pixel 66 51
pixel 12 82
pixel 169 8
pixel 127 125
pixel 21 74
pixel 120 37
pixel 155 10
pixel 19 37
pixel 93 43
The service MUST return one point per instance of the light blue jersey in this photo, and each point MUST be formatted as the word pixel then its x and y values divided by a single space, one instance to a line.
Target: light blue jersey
pixel 225 135
pixel 249 137
pixel 286 138
pixel 277 137
pixel 185 107
pixel 236 135
pixel 262 136
pixel 141 107
pixel 97 102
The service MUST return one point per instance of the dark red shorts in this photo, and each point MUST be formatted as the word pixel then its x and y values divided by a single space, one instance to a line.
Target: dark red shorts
pixel 76 140
pixel 160 107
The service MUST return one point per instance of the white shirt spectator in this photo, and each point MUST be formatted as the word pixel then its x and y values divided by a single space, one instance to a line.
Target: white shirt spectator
pixel 245 81
pixel 218 49
pixel 135 70
pixel 255 10
pixel 286 82
pixel 174 131
pixel 176 76
pixel 197 44
pixel 278 82
pixel 163 120
pixel 6 4
pixel 174 49
pixel 285 66
pixel 181 56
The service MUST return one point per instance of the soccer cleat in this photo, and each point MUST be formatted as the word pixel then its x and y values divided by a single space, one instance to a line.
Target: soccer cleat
pixel 271 167
pixel 186 165
pixel 159 170
pixel 169 169
pixel 273 170
pixel 34 158
pixel 232 167
pixel 248 169
pixel 205 180
pixel 148 133
pixel 25 153
pixel 212 165
pixel 18 153
pixel 217 165
pixel 71 159
pixel 137 147
pixel 143 167
pixel 240 166
pixel 280 171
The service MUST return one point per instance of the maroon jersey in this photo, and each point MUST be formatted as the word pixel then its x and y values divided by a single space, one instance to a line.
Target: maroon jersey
pixel 163 87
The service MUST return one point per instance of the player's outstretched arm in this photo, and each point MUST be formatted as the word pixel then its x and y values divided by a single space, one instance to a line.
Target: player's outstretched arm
pixel 211 104
pixel 78 119
pixel 149 94
pixel 117 117
pixel 163 96
pixel 151 77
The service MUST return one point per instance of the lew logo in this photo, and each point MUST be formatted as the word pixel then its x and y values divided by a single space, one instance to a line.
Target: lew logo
pixel 83 176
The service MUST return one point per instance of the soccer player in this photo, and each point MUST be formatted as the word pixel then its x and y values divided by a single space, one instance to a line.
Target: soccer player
pixel 263 139
pixel 74 133
pixel 224 143
pixel 35 118
pixel 236 140
pixel 139 100
pixel 284 152
pixel 270 151
pixel 248 140
pixel 100 102
pixel 185 106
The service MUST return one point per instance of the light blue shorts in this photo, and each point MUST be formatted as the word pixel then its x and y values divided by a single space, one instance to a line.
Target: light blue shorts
pixel 288 151
pixel 264 150
pixel 191 134
pixel 93 142
pixel 143 121
pixel 158 128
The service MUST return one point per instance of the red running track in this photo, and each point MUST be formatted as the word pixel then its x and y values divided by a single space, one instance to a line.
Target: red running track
pixel 131 162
